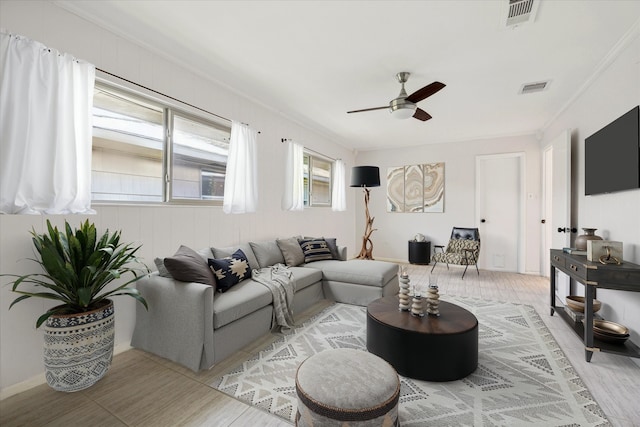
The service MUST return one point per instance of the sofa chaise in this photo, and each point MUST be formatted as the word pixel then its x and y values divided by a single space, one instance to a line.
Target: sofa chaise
pixel 192 324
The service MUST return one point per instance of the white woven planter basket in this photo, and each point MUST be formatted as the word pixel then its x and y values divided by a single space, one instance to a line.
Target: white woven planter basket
pixel 78 348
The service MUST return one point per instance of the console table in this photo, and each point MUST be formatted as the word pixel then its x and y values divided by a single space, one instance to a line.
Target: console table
pixel 624 277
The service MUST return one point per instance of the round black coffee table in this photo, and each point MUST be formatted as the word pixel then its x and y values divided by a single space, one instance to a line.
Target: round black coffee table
pixel 429 348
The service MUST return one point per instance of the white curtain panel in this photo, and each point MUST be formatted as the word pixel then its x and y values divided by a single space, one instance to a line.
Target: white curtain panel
pixel 241 179
pixel 338 193
pixel 46 101
pixel 293 197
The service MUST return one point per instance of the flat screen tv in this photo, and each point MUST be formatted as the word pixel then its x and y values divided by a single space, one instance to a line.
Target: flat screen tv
pixel 612 156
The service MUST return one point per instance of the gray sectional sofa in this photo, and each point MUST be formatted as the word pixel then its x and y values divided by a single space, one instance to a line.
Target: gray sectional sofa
pixel 193 325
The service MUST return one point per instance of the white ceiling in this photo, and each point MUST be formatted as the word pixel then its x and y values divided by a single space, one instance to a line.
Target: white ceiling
pixel 315 60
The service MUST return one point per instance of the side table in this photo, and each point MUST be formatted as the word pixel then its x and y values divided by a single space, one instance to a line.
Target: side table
pixel 419 252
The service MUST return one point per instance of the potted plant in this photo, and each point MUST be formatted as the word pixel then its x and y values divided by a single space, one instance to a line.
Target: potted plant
pixel 78 266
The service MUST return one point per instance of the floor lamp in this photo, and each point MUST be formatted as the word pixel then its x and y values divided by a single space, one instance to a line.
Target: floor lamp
pixel 366 177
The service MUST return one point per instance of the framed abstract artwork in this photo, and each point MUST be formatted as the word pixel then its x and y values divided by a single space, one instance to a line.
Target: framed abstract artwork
pixel 416 188
pixel 395 189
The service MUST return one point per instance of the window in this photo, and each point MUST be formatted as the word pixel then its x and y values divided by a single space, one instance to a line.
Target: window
pixel 317 180
pixel 199 155
pixel 137 142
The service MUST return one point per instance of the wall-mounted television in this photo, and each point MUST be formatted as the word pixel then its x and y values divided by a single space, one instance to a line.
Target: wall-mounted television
pixel 612 156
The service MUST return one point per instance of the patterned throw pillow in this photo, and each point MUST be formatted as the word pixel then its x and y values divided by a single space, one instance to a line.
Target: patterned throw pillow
pixel 230 270
pixel 315 250
pixel 331 242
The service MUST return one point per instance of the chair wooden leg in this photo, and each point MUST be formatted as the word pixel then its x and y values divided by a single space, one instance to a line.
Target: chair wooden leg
pixel 477 269
pixel 465 270
pixel 434 266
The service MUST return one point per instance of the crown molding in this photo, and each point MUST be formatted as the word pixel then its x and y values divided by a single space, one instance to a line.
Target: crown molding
pixel 624 42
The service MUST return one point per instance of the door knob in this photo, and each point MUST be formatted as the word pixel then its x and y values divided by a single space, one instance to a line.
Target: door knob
pixel 483 220
pixel 562 230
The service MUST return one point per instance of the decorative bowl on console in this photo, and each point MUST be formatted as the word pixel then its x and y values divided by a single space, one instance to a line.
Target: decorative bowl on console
pixel 608 331
pixel 576 303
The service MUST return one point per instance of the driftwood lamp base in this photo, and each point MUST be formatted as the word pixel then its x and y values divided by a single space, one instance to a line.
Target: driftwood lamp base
pixel 366 252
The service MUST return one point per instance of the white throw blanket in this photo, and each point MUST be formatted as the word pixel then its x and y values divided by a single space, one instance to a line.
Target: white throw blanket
pixel 278 279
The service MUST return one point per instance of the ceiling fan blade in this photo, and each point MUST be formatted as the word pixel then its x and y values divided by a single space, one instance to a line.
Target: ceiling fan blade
pixel 425 92
pixel 368 109
pixel 420 114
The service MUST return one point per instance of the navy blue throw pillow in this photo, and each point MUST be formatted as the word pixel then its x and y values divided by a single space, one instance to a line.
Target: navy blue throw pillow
pixel 230 270
pixel 315 250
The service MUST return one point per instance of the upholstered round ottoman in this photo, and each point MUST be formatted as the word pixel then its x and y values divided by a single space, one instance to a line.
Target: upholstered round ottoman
pixel 347 387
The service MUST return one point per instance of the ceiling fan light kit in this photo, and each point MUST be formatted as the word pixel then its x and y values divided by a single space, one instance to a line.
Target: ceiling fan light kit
pixel 403 106
pixel 402 110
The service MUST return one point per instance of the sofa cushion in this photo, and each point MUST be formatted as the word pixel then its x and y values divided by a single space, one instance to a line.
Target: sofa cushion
pixel 230 270
pixel 315 250
pixel 244 298
pixel 229 250
pixel 304 277
pixel 267 253
pixel 187 265
pixel 291 251
pixel 357 271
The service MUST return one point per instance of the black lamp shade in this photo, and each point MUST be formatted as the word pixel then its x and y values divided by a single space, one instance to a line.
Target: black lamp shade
pixel 365 176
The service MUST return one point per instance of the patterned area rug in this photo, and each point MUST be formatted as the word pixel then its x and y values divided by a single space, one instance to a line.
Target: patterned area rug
pixel 523 377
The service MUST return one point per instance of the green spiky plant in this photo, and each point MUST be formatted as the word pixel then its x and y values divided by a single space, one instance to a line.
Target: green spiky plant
pixel 78 266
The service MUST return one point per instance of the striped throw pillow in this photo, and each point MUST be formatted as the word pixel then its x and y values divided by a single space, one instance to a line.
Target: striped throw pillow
pixel 315 250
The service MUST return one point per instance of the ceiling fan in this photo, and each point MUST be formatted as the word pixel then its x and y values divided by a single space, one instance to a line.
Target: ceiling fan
pixel 405 106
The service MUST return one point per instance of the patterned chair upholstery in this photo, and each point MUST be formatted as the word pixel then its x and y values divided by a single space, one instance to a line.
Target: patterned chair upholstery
pixel 463 249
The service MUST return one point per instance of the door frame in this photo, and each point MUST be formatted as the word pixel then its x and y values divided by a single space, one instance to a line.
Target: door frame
pixel 521 237
pixel 547 167
pixel 556 168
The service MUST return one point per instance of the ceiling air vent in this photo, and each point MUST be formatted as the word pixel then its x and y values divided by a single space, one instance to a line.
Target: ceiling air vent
pixel 533 87
pixel 521 11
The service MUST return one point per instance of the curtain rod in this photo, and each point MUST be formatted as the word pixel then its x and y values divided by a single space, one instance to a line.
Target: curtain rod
pixel 165 95
pixel 283 140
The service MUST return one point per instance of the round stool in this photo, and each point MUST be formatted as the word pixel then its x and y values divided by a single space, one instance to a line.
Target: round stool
pixel 347 386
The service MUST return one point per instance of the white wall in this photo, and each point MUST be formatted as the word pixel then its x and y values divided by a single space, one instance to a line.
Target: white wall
pixel 395 229
pixel 160 229
pixel 613 91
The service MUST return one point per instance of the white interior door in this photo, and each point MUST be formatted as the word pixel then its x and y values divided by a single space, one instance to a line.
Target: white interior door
pixel 499 207
pixel 557 204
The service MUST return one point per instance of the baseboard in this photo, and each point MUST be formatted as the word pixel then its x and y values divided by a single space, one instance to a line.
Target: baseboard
pixel 397 261
pixel 40 378
pixel 22 386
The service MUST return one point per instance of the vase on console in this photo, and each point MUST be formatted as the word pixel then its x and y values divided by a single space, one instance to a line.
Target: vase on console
pixel 581 240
